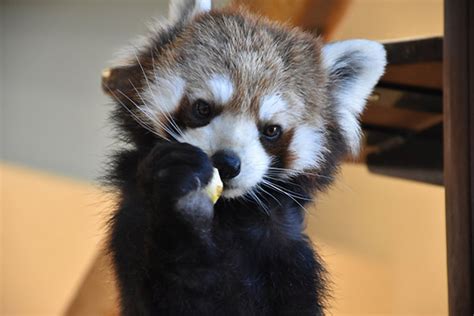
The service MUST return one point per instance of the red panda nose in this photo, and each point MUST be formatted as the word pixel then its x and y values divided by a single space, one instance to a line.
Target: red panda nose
pixel 228 164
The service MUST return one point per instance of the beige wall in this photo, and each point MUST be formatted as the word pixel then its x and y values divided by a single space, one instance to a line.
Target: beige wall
pixel 384 243
pixel 52 230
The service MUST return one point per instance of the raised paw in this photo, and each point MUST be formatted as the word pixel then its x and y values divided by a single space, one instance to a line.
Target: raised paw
pixel 173 170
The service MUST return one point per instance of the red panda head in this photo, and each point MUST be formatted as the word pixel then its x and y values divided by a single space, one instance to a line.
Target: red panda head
pixel 269 98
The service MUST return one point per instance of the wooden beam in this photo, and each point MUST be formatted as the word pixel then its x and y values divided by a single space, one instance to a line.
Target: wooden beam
pixel 318 16
pixel 459 153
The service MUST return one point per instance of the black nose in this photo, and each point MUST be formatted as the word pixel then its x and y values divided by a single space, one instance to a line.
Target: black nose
pixel 228 164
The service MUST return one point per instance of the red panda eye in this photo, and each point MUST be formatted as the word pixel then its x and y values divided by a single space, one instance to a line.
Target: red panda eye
pixel 272 132
pixel 202 109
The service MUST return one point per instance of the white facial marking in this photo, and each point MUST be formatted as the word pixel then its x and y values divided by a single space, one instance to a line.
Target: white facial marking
pixel 369 58
pixel 308 146
pixel 221 88
pixel 272 105
pixel 165 93
pixel 239 134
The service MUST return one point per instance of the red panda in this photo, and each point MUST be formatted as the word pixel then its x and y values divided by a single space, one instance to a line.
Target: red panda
pixel 274 110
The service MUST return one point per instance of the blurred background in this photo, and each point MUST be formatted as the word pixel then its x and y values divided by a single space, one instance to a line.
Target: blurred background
pixel 383 238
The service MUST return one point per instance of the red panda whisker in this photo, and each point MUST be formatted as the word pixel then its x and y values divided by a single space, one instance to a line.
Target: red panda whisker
pixel 167 117
pixel 285 180
pixel 259 187
pixel 261 195
pixel 150 116
pixel 259 202
pixel 295 194
pixel 293 197
pixel 147 116
pixel 296 172
pixel 136 117
pixel 284 192
pixel 301 172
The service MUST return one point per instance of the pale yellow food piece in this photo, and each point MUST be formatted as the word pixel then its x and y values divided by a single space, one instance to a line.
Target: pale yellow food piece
pixel 215 187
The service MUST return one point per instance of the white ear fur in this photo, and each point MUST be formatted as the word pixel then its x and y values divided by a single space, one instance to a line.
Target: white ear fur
pixel 354 68
pixel 182 10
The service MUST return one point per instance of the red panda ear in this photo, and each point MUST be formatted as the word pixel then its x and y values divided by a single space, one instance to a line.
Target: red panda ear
pixel 134 60
pixel 354 67
pixel 186 10
pixel 118 82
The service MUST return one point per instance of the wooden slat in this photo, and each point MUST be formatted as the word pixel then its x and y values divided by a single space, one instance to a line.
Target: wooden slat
pixel 400 119
pixel 414 50
pixel 427 75
pixel 459 153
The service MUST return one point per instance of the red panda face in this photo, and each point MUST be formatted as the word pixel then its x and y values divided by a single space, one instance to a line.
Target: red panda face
pixel 272 98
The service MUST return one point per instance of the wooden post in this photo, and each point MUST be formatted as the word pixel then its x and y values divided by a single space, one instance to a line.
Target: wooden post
pixel 459 153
